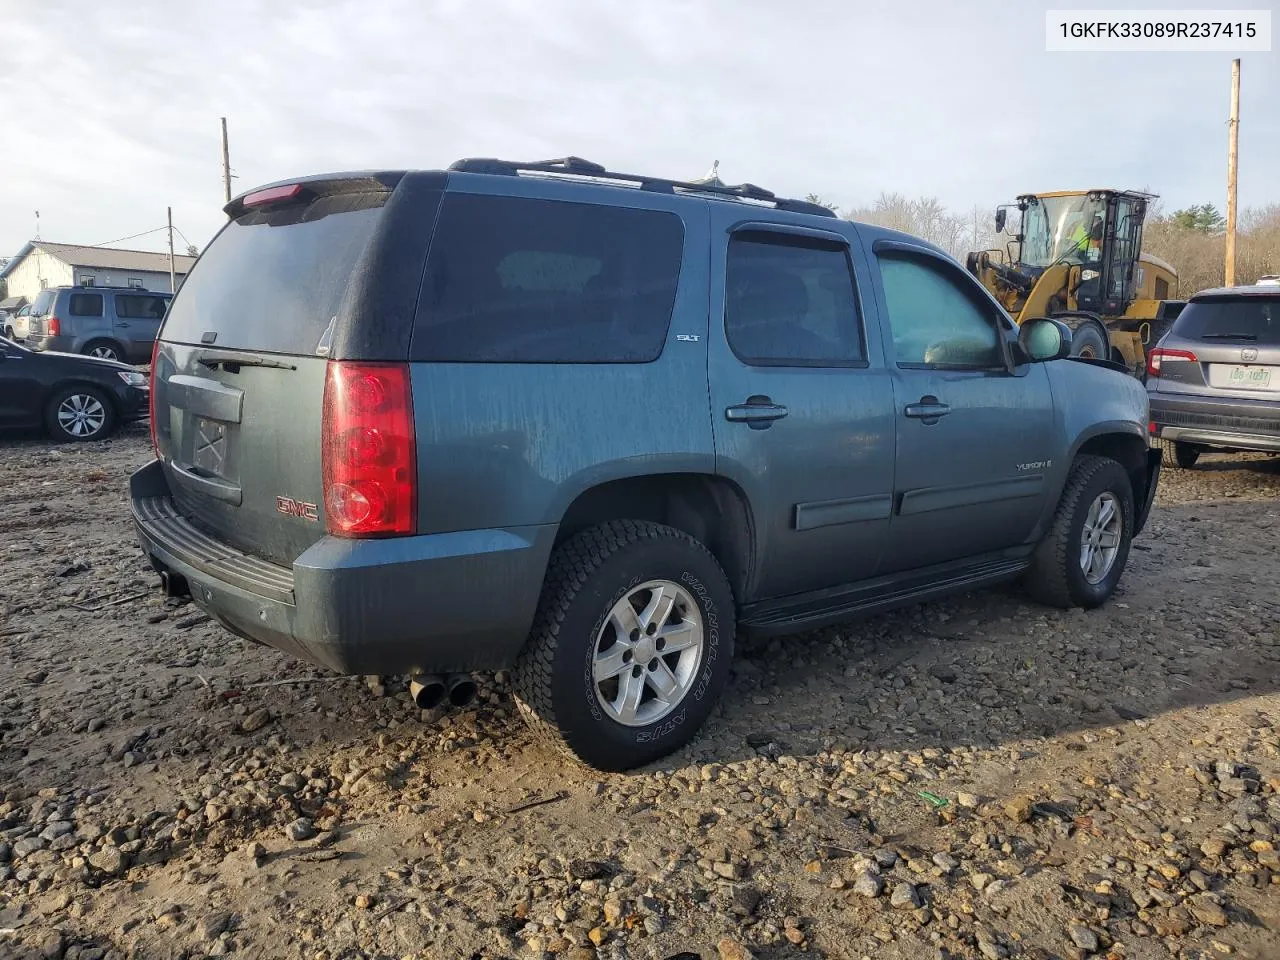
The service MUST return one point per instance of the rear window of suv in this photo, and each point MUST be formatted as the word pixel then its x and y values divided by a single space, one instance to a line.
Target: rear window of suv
pixel 43 303
pixel 1245 319
pixel 517 280
pixel 274 278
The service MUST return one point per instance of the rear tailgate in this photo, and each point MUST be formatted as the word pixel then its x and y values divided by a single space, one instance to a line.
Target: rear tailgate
pixel 241 360
pixel 1228 344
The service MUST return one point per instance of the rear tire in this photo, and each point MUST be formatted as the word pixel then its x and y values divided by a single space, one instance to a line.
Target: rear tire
pixel 612 594
pixel 1174 453
pixel 80 414
pixel 1080 560
pixel 103 350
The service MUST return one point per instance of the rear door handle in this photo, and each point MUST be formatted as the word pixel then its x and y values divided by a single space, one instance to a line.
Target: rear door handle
pixel 758 412
pixel 929 409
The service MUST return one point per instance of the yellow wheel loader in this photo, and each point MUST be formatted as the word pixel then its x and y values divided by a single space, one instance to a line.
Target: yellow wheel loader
pixel 1077 256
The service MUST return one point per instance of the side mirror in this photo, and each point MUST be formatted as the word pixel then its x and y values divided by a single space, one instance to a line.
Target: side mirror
pixel 1042 338
pixel 1001 215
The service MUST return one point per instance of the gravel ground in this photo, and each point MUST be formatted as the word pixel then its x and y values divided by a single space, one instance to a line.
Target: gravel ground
pixel 978 777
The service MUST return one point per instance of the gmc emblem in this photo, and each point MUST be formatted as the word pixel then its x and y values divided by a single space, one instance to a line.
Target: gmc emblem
pixel 297 508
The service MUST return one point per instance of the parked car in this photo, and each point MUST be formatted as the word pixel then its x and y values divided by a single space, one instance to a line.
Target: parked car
pixel 1214 379
pixel 73 398
pixel 17 325
pixel 112 323
pixel 531 417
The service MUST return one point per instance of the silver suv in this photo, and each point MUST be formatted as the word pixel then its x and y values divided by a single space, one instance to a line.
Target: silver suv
pixel 1214 380
pixel 110 323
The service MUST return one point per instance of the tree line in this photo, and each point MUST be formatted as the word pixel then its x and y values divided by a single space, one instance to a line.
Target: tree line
pixel 1192 239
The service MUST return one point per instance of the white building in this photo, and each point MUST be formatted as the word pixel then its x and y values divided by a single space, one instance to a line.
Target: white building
pixel 40 264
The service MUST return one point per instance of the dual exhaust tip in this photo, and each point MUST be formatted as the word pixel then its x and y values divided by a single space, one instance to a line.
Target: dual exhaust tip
pixel 431 690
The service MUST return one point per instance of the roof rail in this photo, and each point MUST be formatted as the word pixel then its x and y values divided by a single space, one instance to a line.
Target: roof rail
pixel 576 166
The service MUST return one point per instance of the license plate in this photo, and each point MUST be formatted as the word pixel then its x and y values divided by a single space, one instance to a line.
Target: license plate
pixel 210 453
pixel 1242 377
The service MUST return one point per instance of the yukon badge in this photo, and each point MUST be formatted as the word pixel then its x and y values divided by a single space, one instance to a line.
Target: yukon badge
pixel 1035 465
pixel 297 508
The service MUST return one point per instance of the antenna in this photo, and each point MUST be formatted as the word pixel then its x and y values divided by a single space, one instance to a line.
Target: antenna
pixel 37 224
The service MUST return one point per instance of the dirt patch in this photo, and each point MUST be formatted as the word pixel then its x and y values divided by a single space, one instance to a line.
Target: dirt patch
pixel 977 777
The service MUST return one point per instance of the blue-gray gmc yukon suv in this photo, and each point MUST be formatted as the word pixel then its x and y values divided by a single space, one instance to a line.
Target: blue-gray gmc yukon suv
pixel 588 426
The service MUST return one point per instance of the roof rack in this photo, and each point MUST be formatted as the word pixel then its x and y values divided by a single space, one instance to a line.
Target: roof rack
pixel 577 167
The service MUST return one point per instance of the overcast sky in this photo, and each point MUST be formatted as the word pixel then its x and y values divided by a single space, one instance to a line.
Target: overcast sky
pixel 109 109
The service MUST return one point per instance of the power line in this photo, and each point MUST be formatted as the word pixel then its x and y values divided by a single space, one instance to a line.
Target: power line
pixel 183 236
pixel 123 239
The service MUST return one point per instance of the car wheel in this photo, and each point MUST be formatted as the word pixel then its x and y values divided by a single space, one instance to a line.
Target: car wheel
pixel 103 350
pixel 631 645
pixel 1174 453
pixel 80 413
pixel 1088 340
pixel 1081 558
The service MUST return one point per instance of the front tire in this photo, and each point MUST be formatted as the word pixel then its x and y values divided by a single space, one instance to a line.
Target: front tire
pixel 1090 341
pixel 1081 558
pixel 80 414
pixel 631 646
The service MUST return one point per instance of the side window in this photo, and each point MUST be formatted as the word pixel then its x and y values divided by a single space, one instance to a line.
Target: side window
pixel 86 304
pixel 131 307
pixel 518 280
pixel 789 301
pixel 936 322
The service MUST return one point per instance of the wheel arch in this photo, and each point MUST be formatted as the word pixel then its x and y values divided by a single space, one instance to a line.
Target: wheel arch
pixel 112 341
pixel 710 508
pixel 1129 448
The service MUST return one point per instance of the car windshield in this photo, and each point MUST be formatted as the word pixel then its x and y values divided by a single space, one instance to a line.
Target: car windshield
pixel 1062 230
pixel 1248 319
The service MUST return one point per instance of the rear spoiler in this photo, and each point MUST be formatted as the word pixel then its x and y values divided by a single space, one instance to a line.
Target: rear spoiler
pixel 320 185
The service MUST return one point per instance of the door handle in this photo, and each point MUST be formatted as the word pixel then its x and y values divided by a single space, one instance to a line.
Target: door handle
pixel 929 409
pixel 121 323
pixel 758 412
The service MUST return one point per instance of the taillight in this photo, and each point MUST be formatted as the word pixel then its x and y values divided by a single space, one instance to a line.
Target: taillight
pixel 272 195
pixel 151 399
pixel 368 451
pixel 53 326
pixel 1157 356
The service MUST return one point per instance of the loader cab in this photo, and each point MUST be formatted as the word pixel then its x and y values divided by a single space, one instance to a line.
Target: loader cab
pixel 1100 231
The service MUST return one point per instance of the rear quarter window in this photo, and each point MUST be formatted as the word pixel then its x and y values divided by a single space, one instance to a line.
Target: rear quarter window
pixel 85 305
pixel 274 279
pixel 518 280
pixel 1244 319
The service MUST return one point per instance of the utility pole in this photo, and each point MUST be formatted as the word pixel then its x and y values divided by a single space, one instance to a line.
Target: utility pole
pixel 226 163
pixel 173 282
pixel 1232 144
